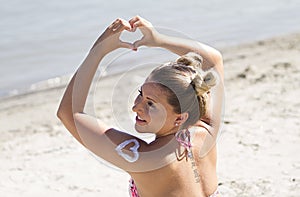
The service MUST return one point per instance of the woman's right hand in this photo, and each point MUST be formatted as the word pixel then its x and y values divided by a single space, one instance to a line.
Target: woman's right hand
pixel 151 37
pixel 110 38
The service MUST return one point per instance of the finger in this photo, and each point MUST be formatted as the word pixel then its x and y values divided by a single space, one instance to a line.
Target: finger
pixel 142 25
pixel 116 22
pixel 126 25
pixel 115 27
pixel 119 23
pixel 133 20
pixel 138 43
pixel 138 24
pixel 122 25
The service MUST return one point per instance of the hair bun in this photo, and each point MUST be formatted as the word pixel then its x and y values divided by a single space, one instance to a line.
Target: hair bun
pixel 203 85
pixel 191 59
pixel 210 79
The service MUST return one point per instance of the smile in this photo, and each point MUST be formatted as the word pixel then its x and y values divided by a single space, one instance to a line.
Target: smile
pixel 140 121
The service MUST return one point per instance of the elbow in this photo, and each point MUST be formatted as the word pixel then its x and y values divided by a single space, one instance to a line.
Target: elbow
pixel 218 58
pixel 65 114
pixel 61 114
pixel 217 63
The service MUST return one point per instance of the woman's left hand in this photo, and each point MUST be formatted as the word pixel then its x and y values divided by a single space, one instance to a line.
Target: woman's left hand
pixel 110 38
pixel 151 37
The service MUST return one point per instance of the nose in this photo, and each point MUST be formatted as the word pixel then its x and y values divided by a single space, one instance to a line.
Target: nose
pixel 137 107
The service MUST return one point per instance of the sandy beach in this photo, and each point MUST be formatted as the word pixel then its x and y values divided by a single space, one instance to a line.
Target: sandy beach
pixel 257 149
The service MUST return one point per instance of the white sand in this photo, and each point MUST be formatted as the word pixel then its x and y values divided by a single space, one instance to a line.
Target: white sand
pixel 257 149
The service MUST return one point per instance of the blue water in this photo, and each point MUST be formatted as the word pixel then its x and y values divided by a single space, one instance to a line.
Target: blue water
pixel 47 39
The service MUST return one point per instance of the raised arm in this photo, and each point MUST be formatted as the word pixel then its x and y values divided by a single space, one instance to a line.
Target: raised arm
pixel 212 58
pixel 74 98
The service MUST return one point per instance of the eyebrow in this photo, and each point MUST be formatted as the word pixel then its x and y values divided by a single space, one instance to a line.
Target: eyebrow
pixel 147 96
pixel 151 99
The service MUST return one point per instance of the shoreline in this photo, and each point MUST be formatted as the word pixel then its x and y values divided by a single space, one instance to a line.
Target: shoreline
pixel 61 81
pixel 256 150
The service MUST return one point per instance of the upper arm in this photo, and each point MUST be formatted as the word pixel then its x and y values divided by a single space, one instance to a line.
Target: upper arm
pixel 212 59
pixel 103 141
pixel 216 97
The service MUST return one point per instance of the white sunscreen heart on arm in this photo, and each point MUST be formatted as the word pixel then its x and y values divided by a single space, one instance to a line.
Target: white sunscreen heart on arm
pixel 133 149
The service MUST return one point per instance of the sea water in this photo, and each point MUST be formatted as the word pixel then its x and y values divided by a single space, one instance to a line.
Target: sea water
pixel 44 40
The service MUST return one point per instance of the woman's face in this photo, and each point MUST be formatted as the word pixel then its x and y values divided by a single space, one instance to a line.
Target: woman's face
pixel 153 113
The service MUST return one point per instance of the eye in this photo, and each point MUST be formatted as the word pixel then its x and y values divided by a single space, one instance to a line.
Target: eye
pixel 150 104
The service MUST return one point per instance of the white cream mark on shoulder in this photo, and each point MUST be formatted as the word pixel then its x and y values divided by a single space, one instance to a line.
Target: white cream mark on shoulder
pixel 133 149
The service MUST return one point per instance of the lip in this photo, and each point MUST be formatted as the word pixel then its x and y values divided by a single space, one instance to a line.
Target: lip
pixel 140 121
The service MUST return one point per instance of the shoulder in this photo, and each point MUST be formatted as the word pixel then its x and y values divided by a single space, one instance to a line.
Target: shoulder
pixel 135 155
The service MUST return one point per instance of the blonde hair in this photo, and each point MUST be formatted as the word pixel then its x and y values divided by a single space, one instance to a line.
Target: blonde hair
pixel 186 85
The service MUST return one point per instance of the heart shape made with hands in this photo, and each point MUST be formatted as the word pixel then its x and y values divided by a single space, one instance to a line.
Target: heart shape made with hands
pixel 131 36
pixel 133 149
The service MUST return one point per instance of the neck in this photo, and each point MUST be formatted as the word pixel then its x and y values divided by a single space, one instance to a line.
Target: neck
pixel 173 131
pixel 164 135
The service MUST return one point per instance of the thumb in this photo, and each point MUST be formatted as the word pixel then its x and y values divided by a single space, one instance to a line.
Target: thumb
pixel 138 43
pixel 126 45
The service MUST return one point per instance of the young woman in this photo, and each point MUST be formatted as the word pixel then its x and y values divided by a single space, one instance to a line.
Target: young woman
pixel 177 97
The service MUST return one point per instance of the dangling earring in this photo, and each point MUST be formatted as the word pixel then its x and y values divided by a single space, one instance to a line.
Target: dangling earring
pixel 176 124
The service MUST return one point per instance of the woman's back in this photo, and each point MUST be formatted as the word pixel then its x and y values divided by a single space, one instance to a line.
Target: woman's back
pixel 186 176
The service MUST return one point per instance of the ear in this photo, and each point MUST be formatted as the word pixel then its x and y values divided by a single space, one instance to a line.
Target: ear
pixel 181 119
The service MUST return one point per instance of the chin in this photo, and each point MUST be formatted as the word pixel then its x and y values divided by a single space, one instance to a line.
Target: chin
pixel 143 129
pixel 139 129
